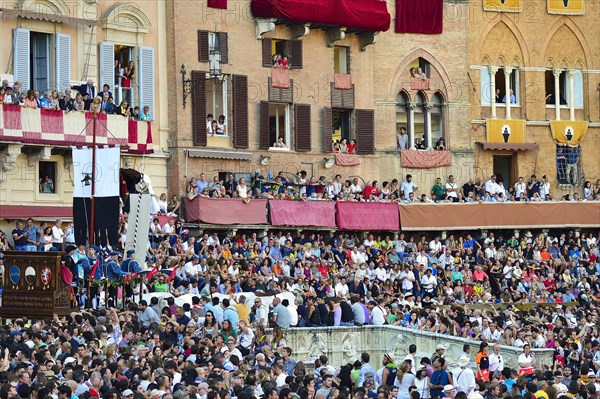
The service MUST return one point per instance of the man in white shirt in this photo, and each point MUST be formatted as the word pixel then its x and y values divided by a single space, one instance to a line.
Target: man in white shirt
pixel 358 256
pixel 496 360
pixel 378 314
pixel 428 282
pixel 341 288
pixel 261 316
pixel 491 186
pixel 408 186
pixel 435 245
pixel 337 184
pixel 464 378
pixel 452 189
pixel 381 273
pixel 355 187
pixel 58 235
pixel 407 277
pixel 544 187
pixel 520 187
pixel 190 269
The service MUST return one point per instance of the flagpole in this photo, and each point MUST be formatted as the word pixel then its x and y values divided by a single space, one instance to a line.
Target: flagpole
pixel 93 210
pixel 92 203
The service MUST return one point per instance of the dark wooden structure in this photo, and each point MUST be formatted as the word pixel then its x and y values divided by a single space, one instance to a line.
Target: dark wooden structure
pixel 32 285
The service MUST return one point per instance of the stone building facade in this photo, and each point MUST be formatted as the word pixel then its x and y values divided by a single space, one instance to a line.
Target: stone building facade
pixel 448 105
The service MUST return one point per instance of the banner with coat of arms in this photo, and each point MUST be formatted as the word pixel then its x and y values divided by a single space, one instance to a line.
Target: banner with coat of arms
pixel 569 7
pixel 503 5
pixel 569 132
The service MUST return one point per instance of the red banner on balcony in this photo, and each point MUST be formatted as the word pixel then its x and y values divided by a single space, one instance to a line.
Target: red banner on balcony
pixel 52 121
pixel 12 116
pixel 342 159
pixel 425 159
pixel 139 138
pixel 218 4
pixel 419 84
pixel 342 81
pixel 226 211
pixel 303 214
pixel 367 216
pixel 57 128
pixel 280 78
pixel 420 16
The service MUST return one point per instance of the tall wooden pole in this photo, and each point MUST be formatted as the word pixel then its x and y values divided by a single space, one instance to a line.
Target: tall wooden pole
pixel 92 237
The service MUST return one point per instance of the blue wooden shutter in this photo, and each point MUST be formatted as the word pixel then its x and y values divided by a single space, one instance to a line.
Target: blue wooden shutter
pixel 21 60
pixel 63 61
pixel 107 66
pixel 145 78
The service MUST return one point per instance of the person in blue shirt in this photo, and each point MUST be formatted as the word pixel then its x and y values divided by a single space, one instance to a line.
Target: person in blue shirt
pixel 114 273
pixel 230 313
pixel 513 99
pixel 130 265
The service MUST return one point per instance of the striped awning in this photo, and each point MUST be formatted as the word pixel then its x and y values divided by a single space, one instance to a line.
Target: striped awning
pixel 509 146
pixel 219 154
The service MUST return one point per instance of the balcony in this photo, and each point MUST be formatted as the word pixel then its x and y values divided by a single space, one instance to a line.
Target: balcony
pixel 390 216
pixel 56 128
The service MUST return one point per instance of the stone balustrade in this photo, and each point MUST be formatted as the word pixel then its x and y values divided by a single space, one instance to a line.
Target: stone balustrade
pixel 345 344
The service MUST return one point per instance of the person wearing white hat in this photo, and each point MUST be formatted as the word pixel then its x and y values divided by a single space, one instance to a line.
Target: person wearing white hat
pixel 439 352
pixel 464 380
pixel 448 391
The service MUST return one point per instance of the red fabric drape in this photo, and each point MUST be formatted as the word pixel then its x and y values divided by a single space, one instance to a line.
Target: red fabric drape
pixel 343 159
pixel 368 216
pixel 52 121
pixel 226 211
pixel 371 15
pixel 419 16
pixel 280 78
pixel 12 116
pixel 300 213
pixel 425 159
pixel 218 4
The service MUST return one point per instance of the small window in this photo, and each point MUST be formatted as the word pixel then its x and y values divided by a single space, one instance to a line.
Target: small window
pixel 568 165
pixel 280 125
pixel 47 177
pixel 437 121
pixel 216 104
pixel 341 59
pixel 577 86
pixel 551 90
pixel 500 80
pixel 282 53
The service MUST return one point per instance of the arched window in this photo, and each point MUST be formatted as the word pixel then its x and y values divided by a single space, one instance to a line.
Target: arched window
pixel 437 117
pixel 419 124
pixel 402 112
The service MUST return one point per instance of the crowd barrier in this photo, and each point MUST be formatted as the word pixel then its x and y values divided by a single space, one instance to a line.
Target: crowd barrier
pixel 372 216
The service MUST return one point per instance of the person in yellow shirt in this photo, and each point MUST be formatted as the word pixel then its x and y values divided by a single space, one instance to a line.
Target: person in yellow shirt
pixel 226 252
pixel 242 309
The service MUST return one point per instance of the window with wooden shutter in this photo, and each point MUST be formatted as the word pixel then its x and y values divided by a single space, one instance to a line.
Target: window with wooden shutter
pixel 279 95
pixel 199 108
pixel 21 57
pixel 327 129
pixel 342 98
pixel 365 131
pixel 295 54
pixel 63 61
pixel 264 143
pixel 146 78
pixel 267 58
pixel 223 47
pixel 106 62
pixel 240 111
pixel 203 45
pixel 302 127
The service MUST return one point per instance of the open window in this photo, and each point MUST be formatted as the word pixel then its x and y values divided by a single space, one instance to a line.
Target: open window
pixel 341 59
pixel 280 126
pixel 274 50
pixel 47 177
pixel 419 121
pixel 216 104
pixel 41 61
pixel 514 84
pixel 437 118
pixel 402 113
pixel 551 93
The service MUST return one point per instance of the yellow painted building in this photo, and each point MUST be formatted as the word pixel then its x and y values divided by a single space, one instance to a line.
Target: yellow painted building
pixel 54 45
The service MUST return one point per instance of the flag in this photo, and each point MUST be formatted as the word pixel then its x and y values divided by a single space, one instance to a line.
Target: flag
pixel 106 194
pixel 420 16
pixel 172 276
pixel 152 273
pixel 95 268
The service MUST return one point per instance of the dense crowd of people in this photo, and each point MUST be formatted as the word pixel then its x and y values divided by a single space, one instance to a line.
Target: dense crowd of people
pixel 518 289
pixel 302 187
